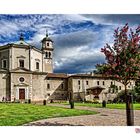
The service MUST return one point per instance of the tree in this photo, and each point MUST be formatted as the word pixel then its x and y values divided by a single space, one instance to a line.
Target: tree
pixel 137 91
pixel 123 59
pixel 101 68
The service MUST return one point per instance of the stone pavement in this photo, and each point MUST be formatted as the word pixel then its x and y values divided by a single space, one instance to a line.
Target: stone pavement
pixel 105 117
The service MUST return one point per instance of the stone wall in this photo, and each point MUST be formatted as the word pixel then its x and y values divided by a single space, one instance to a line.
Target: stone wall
pixel 36 56
pixel 16 85
pixel 4 86
pixel 41 90
pixel 19 53
pixel 78 86
pixel 4 54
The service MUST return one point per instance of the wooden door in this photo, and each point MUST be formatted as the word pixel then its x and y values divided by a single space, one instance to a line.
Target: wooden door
pixel 21 94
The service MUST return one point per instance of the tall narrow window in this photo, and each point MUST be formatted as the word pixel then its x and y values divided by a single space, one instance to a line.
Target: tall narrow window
pixel 78 82
pixel 49 54
pixel 86 82
pixel 103 83
pixel 21 63
pixel 111 83
pixel 48 86
pixel 46 54
pixel 4 64
pixel 47 44
pixel 62 86
pixel 119 87
pixel 98 83
pixel 37 65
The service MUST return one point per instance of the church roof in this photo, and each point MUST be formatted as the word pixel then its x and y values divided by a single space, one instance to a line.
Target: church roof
pixel 47 38
pixel 21 42
pixel 56 75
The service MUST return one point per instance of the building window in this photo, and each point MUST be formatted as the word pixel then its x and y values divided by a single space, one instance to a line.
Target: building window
pixel 48 86
pixel 21 63
pixel 4 64
pixel 86 82
pixel 119 87
pixel 49 54
pixel 62 86
pixel 46 54
pixel 37 65
pixel 111 83
pixel 103 83
pixel 98 83
pixel 21 79
pixel 47 44
pixel 78 82
pixel 113 90
pixel 48 94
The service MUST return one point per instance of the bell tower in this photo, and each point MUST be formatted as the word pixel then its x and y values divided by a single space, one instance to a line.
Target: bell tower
pixel 47 54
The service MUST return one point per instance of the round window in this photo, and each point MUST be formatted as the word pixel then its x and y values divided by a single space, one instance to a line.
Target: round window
pixel 21 79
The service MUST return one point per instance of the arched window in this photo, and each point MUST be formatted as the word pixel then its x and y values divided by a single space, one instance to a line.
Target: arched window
pixel 49 54
pixel 48 44
pixel 37 65
pixel 48 86
pixel 46 54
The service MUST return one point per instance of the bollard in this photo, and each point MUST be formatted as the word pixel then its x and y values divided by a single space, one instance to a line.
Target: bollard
pixel 29 101
pixel 104 103
pixel 44 102
pixel 72 104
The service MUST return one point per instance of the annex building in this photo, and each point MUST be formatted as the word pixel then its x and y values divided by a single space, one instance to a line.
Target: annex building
pixel 26 72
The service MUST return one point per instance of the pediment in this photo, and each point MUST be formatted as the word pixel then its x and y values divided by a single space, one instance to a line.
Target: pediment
pixel 21 56
pixel 21 85
pixel 20 70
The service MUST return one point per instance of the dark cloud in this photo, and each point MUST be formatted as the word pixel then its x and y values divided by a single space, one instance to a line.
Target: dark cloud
pixel 132 19
pixel 79 63
pixel 78 38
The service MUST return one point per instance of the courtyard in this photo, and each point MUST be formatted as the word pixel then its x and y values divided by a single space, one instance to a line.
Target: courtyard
pixel 16 114
pixel 84 114
pixel 104 117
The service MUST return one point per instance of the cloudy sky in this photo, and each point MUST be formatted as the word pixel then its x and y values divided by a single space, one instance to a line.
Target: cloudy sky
pixel 77 38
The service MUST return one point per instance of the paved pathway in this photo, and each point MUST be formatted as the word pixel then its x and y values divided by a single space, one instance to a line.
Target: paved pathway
pixel 106 117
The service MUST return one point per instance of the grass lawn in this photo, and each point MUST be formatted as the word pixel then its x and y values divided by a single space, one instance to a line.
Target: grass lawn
pixel 19 114
pixel 110 106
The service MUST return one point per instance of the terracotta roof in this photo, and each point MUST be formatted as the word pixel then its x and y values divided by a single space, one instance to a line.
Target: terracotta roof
pixel 57 75
pixel 90 75
pixel 80 75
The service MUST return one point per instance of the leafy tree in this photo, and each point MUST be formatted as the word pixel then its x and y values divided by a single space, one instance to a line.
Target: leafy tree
pixel 101 68
pixel 123 58
pixel 137 91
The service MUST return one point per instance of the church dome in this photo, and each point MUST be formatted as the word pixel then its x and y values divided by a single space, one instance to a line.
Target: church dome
pixel 47 38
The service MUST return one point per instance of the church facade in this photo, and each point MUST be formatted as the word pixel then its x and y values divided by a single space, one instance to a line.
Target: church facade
pixel 26 72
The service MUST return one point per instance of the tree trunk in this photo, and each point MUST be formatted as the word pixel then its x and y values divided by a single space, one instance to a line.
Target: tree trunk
pixel 71 101
pixel 129 108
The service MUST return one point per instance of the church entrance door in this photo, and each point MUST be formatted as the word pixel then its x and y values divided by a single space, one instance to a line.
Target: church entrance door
pixel 21 93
